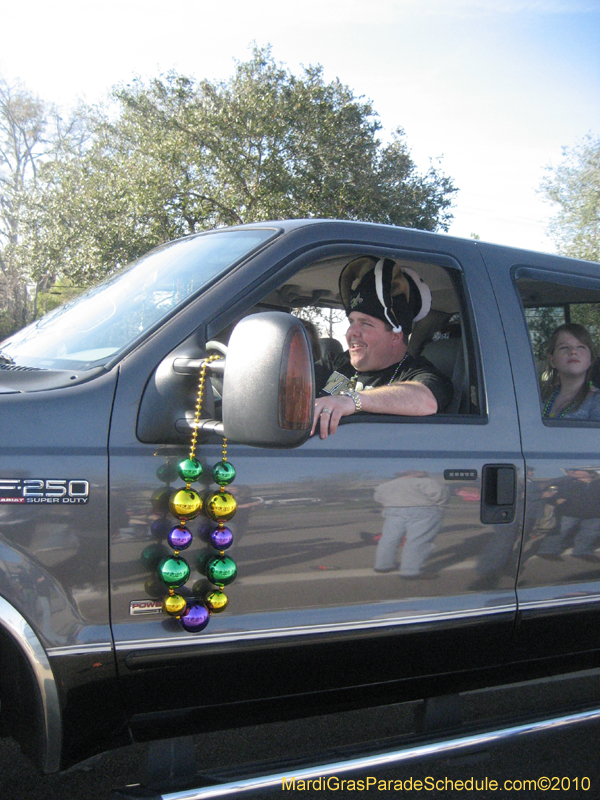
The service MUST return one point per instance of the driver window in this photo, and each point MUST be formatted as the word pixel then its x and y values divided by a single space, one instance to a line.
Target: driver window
pixel 442 336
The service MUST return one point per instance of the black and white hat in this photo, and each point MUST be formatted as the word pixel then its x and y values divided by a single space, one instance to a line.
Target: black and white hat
pixel 384 289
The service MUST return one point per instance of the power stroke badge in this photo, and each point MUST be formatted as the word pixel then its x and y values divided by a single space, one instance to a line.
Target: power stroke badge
pixel 44 490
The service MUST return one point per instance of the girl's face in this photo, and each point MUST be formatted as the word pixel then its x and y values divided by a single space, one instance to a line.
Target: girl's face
pixel 571 357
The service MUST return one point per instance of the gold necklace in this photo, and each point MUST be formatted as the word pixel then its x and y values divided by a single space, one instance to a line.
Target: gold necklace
pixel 354 378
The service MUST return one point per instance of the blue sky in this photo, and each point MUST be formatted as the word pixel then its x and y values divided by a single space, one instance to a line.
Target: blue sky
pixel 495 87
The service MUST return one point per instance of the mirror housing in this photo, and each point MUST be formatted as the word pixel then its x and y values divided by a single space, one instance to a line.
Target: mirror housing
pixel 167 408
pixel 269 383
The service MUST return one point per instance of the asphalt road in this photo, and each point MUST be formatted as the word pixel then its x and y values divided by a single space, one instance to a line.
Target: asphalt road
pixel 568 758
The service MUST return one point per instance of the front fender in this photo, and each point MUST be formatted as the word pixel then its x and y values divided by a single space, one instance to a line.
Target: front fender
pixel 45 694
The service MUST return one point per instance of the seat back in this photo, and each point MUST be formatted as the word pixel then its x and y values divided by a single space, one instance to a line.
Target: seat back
pixel 447 354
pixel 330 346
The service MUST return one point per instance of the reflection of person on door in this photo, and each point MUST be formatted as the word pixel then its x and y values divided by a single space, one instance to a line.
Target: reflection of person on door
pixel 413 510
pixel 577 500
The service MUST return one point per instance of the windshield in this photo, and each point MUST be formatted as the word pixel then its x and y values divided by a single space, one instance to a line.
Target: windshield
pixel 97 325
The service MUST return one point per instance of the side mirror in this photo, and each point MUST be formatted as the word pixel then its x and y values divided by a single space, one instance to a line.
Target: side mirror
pixel 167 408
pixel 269 384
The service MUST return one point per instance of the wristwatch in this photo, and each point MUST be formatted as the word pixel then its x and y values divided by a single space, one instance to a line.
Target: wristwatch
pixel 355 396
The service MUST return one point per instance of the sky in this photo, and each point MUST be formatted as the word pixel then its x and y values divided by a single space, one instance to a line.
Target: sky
pixel 494 88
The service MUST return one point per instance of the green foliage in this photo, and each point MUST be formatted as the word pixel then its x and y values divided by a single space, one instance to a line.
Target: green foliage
pixel 541 323
pixel 172 156
pixel 575 187
pixel 325 320
pixel 61 292
pixel 588 315
pixel 22 126
pixel 32 135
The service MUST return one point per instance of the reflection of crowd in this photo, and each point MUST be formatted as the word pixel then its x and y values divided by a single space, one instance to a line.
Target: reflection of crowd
pixel 413 503
pixel 499 556
pixel 576 503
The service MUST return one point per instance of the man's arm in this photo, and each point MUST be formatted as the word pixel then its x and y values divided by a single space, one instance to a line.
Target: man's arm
pixel 408 398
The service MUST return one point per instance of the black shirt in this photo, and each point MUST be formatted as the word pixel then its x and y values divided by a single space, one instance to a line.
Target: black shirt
pixel 343 376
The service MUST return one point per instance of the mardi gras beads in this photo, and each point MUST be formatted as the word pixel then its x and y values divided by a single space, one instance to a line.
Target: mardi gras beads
pixel 220 507
pixel 185 504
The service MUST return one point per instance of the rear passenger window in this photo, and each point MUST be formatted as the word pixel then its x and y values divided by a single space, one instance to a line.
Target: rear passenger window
pixel 563 320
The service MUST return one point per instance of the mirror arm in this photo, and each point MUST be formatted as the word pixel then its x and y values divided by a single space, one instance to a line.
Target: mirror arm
pixel 192 366
pixel 204 426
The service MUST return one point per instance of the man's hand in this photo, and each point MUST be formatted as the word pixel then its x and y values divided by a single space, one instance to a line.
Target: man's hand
pixel 328 412
pixel 406 398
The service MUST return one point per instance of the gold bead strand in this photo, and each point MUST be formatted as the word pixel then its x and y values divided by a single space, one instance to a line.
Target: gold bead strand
pixel 200 398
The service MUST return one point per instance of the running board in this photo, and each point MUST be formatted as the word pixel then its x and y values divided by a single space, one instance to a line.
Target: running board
pixel 282 778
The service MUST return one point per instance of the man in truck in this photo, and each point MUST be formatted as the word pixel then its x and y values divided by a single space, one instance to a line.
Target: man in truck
pixel 377 374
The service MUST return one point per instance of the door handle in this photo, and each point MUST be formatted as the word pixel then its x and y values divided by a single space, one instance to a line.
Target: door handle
pixel 498 493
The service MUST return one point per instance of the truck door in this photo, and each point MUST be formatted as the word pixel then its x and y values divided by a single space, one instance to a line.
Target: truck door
pixel 310 610
pixel 559 575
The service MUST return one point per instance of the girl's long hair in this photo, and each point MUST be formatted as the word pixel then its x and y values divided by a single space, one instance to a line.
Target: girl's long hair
pixel 551 379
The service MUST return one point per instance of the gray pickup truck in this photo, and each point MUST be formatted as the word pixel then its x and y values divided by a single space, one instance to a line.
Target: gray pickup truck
pixel 98 404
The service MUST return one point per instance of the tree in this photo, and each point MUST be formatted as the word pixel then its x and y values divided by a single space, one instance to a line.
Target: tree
pixel 325 320
pixel 32 133
pixel 22 125
pixel 174 156
pixel 575 187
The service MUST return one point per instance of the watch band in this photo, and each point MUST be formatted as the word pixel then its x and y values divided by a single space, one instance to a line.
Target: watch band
pixel 355 397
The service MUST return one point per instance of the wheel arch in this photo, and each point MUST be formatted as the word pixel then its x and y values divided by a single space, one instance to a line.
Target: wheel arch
pixel 29 691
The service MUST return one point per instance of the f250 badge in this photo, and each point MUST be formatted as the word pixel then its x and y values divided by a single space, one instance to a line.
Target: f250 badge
pixel 44 490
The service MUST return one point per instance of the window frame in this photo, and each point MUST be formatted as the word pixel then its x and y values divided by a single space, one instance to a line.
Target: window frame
pixel 557 279
pixel 475 387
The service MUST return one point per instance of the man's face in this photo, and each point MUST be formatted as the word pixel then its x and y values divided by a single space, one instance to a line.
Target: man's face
pixel 371 345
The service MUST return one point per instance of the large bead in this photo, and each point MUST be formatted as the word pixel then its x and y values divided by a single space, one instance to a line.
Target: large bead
pixel 185 503
pixel 195 618
pixel 216 601
pixel 189 470
pixel 173 571
pixel 174 605
pixel 223 473
pixel 221 538
pixel 179 538
pixel 220 505
pixel 221 570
